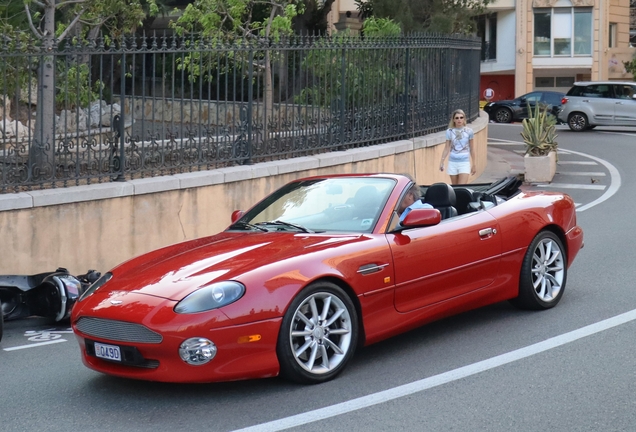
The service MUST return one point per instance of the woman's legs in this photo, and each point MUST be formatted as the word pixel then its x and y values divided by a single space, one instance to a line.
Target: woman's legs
pixel 462 178
pixel 459 179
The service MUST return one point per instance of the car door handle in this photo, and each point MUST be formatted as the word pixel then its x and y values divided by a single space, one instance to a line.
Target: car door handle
pixel 487 233
pixel 619 103
pixel 371 268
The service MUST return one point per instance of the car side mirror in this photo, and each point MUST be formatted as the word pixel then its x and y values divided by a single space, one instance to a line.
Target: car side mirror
pixel 421 218
pixel 236 215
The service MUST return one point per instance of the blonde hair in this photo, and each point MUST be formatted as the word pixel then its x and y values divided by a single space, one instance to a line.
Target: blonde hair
pixel 451 123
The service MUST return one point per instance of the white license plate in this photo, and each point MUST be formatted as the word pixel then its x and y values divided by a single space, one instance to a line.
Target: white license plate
pixel 109 352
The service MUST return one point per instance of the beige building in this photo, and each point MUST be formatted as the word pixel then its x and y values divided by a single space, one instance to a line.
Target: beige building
pixel 344 15
pixel 549 44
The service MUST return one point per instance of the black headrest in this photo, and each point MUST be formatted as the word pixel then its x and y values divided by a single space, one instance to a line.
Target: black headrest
pixel 465 194
pixel 440 195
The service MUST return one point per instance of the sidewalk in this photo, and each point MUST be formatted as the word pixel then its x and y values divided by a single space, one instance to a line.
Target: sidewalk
pixel 501 163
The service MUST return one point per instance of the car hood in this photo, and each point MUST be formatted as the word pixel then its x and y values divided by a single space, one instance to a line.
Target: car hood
pixel 175 271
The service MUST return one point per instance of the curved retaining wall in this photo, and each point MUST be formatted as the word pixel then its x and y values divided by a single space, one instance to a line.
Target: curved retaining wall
pixel 101 225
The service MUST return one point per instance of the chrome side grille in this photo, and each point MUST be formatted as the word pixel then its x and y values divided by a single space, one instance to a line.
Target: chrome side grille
pixel 117 330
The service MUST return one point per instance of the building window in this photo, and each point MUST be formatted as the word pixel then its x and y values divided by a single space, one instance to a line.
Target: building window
pixel 554 82
pixel 487 30
pixel 542 32
pixel 564 82
pixel 612 35
pixel 563 32
pixel 582 31
pixel 544 82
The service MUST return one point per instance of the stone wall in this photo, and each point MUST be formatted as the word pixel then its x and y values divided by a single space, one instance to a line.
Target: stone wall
pixel 99 226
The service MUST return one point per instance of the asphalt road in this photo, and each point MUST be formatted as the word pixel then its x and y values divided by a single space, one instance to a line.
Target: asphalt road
pixel 571 368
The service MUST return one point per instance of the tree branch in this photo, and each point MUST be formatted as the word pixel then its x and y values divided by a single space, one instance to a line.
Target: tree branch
pixel 272 14
pixel 71 25
pixel 37 32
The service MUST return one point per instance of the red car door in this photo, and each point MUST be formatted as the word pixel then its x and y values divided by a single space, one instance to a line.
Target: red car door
pixel 439 262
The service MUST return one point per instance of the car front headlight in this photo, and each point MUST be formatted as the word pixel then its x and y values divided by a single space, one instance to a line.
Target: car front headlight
pixel 211 297
pixel 95 285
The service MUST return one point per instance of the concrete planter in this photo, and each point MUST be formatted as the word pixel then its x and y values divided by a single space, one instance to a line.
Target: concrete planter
pixel 540 169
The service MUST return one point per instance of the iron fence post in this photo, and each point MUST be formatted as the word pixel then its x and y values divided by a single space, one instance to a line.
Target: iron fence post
pixel 250 101
pixel 342 98
pixel 407 87
pixel 122 127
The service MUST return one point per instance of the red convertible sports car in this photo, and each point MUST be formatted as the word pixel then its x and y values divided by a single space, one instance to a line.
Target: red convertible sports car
pixel 320 267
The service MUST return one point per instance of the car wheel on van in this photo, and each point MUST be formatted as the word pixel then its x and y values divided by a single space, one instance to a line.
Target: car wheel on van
pixel 578 122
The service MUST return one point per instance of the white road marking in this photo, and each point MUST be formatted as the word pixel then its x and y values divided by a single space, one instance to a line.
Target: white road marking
pixel 583 173
pixel 617 133
pixel 615 181
pixel 34 345
pixel 576 163
pixel 504 142
pixel 570 186
pixel 441 379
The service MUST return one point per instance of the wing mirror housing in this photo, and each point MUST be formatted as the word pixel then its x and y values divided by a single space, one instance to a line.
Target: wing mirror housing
pixel 236 215
pixel 421 218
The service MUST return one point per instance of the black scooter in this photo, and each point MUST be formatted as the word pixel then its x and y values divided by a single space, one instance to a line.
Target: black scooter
pixel 50 295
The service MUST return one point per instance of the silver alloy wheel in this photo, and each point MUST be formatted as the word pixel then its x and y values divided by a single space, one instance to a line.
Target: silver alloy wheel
pixel 577 122
pixel 548 269
pixel 321 333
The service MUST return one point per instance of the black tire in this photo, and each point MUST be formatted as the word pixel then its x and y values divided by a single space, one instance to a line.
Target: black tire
pixel 578 122
pixel 503 115
pixel 543 273
pixel 318 335
pixel 1 321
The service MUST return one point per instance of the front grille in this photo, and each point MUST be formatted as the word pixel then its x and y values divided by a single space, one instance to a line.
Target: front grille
pixel 117 330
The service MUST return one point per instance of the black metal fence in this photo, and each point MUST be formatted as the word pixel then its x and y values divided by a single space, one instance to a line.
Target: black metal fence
pixel 100 110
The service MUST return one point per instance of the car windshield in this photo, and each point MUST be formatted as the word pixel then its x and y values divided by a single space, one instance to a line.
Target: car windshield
pixel 341 204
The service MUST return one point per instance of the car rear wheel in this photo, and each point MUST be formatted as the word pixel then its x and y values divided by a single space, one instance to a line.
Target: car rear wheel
pixel 318 335
pixel 543 273
pixel 578 122
pixel 503 115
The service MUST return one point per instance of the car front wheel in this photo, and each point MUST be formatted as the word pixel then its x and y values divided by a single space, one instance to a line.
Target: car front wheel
pixel 318 335
pixel 543 273
pixel 578 122
pixel 503 115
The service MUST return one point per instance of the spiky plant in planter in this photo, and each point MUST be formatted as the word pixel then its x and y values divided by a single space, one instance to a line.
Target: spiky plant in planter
pixel 539 131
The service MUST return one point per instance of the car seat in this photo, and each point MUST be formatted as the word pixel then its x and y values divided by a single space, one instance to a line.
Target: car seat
pixel 442 197
pixel 463 197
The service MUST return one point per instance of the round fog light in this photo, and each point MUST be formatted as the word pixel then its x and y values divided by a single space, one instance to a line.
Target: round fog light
pixel 197 351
